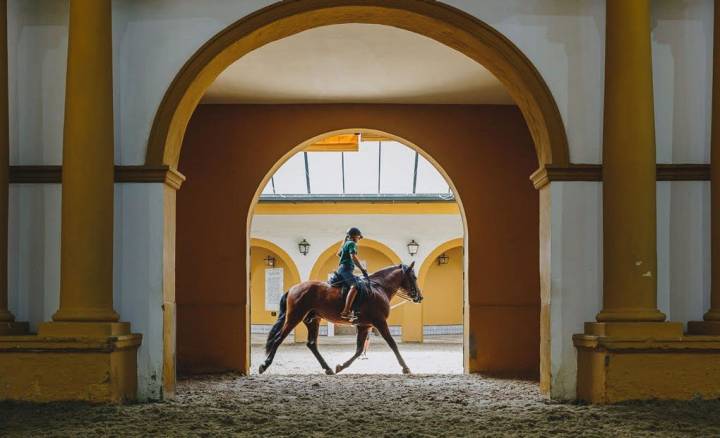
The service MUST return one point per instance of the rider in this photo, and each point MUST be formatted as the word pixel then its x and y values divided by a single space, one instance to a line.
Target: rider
pixel 348 261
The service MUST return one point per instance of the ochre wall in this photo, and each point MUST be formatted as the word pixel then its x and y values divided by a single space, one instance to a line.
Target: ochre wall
pixel 443 291
pixel 487 152
pixel 258 314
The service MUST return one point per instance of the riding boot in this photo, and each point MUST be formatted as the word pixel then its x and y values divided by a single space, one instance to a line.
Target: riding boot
pixel 347 313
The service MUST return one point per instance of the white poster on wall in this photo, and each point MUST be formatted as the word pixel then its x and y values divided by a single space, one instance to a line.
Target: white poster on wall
pixel 273 289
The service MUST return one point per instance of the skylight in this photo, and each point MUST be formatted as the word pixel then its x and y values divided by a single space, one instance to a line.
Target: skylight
pixel 376 169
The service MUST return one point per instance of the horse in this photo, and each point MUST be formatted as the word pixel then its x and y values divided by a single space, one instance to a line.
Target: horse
pixel 311 301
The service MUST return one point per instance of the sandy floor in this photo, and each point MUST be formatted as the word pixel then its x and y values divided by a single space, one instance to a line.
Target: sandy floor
pixel 393 405
pixel 432 357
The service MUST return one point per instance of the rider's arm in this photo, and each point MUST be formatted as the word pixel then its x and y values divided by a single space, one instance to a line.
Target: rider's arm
pixel 357 263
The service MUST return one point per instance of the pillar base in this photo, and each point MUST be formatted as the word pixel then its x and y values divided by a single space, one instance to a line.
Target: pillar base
pixel 44 369
pixel 14 328
pixel 613 369
pixel 83 329
pixel 635 330
pixel 704 327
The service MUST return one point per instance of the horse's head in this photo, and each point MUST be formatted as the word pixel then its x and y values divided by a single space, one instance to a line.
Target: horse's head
pixel 409 283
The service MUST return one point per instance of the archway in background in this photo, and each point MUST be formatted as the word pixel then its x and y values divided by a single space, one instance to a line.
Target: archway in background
pixel 445 286
pixel 259 249
pixel 443 23
pixel 316 273
pixel 284 256
pixel 430 259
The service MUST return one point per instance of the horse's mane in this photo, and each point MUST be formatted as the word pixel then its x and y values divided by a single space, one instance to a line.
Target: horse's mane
pixel 385 270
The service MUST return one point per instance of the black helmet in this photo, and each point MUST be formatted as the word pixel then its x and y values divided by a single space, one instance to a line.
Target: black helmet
pixel 354 232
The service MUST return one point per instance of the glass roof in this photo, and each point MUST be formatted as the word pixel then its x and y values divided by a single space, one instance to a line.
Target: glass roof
pixel 378 169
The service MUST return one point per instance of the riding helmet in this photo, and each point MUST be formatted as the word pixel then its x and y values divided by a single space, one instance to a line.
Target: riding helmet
pixel 354 232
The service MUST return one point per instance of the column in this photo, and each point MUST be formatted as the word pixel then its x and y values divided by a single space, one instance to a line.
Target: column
pixel 7 319
pixel 711 323
pixel 86 286
pixel 412 322
pixel 714 313
pixel 629 212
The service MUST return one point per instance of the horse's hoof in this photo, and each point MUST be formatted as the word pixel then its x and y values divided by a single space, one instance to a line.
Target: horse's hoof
pixel 338 368
pixel 406 371
pixel 262 368
pixel 329 372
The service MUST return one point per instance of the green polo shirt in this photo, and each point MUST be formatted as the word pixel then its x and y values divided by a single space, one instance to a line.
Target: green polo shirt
pixel 348 249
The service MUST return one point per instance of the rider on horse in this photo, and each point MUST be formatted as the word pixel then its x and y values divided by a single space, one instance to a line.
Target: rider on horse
pixel 348 261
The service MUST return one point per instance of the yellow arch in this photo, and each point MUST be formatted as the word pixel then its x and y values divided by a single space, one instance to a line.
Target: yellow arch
pixel 284 256
pixel 435 20
pixel 331 251
pixel 430 259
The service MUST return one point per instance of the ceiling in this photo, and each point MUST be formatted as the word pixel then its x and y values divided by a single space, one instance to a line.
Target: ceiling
pixel 356 63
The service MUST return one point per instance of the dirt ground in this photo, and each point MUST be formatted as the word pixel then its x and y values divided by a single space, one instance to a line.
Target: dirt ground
pixel 392 405
pixel 438 355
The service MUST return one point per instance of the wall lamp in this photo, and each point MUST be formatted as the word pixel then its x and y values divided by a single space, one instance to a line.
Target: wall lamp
pixel 443 259
pixel 304 247
pixel 269 261
pixel 413 247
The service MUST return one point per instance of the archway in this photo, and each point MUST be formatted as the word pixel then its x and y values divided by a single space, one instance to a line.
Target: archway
pixel 436 21
pixel 430 259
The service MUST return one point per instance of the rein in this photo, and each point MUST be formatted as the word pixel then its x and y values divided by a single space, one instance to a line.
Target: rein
pixel 400 292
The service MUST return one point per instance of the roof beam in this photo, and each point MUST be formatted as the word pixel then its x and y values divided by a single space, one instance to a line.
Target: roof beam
pixel 417 156
pixel 336 143
pixel 307 172
pixel 379 163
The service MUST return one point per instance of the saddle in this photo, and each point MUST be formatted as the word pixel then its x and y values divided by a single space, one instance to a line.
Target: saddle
pixel 337 281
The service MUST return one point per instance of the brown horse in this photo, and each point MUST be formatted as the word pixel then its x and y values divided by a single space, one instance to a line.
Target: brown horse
pixel 312 301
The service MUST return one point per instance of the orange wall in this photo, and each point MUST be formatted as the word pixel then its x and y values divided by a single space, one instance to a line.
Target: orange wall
pixel 486 150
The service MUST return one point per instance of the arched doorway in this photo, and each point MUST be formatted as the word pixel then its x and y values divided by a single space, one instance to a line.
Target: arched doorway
pixel 440 22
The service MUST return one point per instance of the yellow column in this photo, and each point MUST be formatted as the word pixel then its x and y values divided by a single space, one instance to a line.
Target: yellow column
pixel 412 323
pixel 7 319
pixel 86 286
pixel 629 212
pixel 711 325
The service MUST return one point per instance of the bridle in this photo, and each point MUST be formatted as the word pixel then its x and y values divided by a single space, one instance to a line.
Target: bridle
pixel 412 295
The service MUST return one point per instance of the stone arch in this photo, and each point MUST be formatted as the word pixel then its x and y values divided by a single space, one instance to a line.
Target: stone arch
pixel 443 23
pixel 430 259
pixel 332 250
pixel 284 256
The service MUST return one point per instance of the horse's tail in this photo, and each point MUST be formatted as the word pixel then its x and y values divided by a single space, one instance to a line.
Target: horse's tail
pixel 275 330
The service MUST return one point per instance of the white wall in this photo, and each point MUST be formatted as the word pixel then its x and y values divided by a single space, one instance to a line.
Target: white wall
pixel 576 275
pixel 322 231
pixel 34 252
pixel 138 276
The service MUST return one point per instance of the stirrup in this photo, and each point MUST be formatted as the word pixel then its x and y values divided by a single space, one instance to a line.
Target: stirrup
pixel 350 316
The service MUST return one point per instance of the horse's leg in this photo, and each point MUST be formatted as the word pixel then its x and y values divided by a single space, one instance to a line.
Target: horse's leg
pixel 385 333
pixel 292 320
pixel 362 332
pixel 312 323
